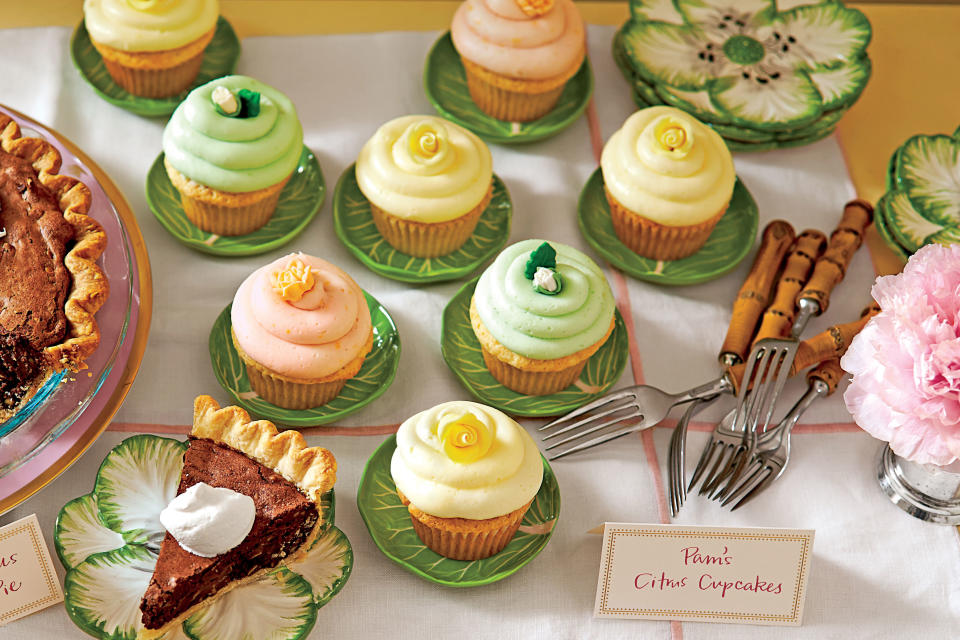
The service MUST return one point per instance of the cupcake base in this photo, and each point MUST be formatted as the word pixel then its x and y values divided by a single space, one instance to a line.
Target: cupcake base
pixel 659 241
pixel 290 393
pixel 515 99
pixel 222 212
pixel 461 538
pixel 526 375
pixel 428 239
pixel 155 74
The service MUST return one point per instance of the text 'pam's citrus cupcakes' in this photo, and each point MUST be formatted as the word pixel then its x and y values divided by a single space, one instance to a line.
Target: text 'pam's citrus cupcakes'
pixel 467 474
pixel 428 181
pixel 151 48
pixel 302 327
pixel 230 148
pixel 540 311
pixel 518 54
pixel 668 179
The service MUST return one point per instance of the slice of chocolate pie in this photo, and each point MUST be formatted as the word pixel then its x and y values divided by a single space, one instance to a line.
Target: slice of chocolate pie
pixel 50 284
pixel 285 479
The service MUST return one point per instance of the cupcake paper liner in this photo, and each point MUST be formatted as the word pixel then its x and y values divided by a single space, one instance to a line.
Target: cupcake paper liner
pixel 462 539
pixel 514 99
pixel 428 239
pixel 657 241
pixel 532 383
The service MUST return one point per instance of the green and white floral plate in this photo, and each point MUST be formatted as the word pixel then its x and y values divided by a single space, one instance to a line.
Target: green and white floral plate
pixel 299 203
pixel 922 202
pixel 445 83
pixel 748 65
pixel 106 540
pixel 375 376
pixel 354 225
pixel 461 350
pixel 389 524
pixel 729 243
pixel 219 59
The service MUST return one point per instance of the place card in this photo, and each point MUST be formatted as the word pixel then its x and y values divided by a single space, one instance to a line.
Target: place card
pixel 703 574
pixel 28 581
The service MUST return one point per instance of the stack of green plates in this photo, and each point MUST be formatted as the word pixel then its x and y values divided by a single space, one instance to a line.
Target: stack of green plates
pixel 762 78
pixel 922 202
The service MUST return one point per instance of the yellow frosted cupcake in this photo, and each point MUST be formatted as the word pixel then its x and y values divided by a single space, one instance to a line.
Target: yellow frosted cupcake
pixel 151 48
pixel 668 179
pixel 467 474
pixel 428 182
pixel 229 149
pixel 518 54
pixel 302 327
pixel 540 311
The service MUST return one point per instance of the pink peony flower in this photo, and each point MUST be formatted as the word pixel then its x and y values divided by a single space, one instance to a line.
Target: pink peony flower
pixel 906 361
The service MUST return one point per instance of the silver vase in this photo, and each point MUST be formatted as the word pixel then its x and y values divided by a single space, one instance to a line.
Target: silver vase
pixel 925 491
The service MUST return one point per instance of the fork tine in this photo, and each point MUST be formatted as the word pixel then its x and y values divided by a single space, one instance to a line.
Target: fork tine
pixel 756 490
pixel 675 499
pixel 745 455
pixel 594 442
pixel 703 463
pixel 722 461
pixel 590 419
pixel 756 391
pixel 590 406
pixel 782 374
pixel 597 427
pixel 751 477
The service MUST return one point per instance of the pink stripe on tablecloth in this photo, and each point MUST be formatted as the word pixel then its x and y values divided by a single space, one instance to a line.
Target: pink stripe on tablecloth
pixel 183 429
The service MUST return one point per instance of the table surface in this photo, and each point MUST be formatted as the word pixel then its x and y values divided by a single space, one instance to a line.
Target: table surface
pixel 885 115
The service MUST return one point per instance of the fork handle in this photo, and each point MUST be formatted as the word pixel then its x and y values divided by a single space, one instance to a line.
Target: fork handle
pixel 779 316
pixel 829 372
pixel 755 292
pixel 832 265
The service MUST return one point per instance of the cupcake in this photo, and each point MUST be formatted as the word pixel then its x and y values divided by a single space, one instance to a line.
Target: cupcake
pixel 302 327
pixel 467 474
pixel 540 311
pixel 229 149
pixel 428 181
pixel 151 48
pixel 518 54
pixel 668 179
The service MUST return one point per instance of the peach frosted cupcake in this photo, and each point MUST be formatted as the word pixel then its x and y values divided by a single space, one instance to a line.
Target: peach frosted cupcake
pixel 467 474
pixel 151 48
pixel 518 54
pixel 428 182
pixel 303 328
pixel 229 149
pixel 539 312
pixel 668 179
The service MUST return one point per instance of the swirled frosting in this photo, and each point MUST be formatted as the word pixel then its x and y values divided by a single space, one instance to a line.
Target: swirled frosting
pixel 538 326
pixel 424 169
pixel 308 335
pixel 498 35
pixel 149 25
pixel 667 166
pixel 504 478
pixel 234 154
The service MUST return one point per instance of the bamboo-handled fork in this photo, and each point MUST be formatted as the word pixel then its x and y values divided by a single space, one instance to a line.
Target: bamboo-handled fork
pixel 642 406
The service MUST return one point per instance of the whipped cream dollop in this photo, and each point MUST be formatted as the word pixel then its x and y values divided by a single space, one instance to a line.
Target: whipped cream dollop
pixel 209 521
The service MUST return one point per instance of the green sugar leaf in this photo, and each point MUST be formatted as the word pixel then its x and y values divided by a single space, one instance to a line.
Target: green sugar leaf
pixel 249 103
pixel 542 256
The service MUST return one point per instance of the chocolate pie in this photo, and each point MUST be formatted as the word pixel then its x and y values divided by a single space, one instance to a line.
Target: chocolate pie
pixel 284 477
pixel 50 284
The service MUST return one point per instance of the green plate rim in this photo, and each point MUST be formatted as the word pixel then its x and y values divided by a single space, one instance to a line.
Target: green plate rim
pixel 619 333
pixel 520 138
pixel 157 172
pixel 306 417
pixel 152 107
pixel 883 229
pixel 391 442
pixel 404 275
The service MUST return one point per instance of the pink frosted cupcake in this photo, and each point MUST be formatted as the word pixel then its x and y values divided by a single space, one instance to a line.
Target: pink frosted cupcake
pixel 302 327
pixel 518 54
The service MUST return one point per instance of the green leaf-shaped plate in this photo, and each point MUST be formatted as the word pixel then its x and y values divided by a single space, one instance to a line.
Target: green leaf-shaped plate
pixel 354 226
pixel 374 377
pixel 445 83
pixel 106 576
pixel 461 350
pixel 219 59
pixel 299 203
pixel 389 524
pixel 729 243
pixel 883 228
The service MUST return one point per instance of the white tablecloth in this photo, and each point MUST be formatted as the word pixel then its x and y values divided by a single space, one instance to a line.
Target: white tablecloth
pixel 876 572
